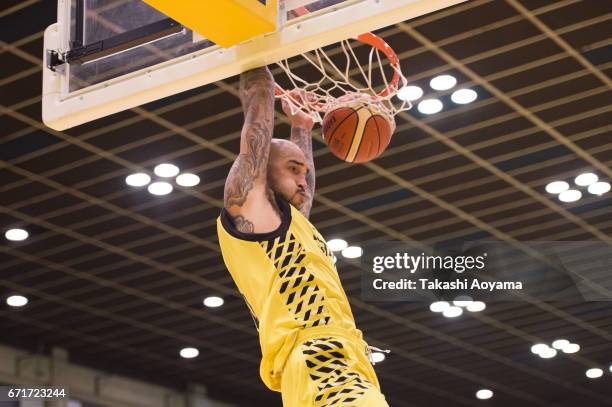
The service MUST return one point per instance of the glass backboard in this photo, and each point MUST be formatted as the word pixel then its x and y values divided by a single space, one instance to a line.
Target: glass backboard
pixel 104 56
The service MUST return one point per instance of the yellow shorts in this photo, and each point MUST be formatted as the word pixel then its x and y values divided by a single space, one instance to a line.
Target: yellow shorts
pixel 326 369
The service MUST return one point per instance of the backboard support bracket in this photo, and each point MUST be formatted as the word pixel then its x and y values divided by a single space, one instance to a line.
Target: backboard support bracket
pixel 54 59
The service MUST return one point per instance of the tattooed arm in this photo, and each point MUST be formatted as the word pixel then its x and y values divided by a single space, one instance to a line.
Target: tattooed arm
pixel 301 134
pixel 246 195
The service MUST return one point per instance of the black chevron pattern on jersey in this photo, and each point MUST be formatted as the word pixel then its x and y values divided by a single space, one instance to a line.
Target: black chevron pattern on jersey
pixel 337 383
pixel 298 287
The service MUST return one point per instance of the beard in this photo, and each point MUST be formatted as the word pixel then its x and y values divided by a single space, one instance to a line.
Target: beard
pixel 298 199
pixel 295 196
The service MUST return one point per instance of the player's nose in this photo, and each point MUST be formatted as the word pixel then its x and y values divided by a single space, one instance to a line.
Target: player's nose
pixel 302 183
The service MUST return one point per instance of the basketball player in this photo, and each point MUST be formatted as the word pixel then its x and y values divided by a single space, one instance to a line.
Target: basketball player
pixel 311 350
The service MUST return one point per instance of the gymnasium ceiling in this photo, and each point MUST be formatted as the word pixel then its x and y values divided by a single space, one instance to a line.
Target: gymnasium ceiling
pixel 117 276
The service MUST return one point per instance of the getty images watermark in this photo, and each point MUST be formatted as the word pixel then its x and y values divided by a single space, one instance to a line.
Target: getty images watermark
pixel 487 271
pixel 459 264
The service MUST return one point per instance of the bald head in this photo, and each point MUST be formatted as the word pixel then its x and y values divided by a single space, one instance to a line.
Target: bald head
pixel 281 148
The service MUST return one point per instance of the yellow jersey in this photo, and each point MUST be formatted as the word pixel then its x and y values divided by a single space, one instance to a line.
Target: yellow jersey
pixel 289 281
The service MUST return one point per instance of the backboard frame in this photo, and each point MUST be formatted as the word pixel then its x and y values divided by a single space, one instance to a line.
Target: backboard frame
pixel 62 109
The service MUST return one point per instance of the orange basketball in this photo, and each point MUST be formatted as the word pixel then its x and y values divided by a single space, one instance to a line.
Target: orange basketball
pixel 357 132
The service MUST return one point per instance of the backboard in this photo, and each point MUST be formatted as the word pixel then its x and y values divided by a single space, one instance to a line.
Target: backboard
pixel 105 56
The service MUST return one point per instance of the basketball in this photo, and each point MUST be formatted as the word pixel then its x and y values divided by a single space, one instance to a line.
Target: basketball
pixel 357 132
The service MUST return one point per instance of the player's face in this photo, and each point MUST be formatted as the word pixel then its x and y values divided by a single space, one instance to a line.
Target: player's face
pixel 287 176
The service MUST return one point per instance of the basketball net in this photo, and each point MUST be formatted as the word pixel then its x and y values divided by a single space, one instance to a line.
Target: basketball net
pixel 347 81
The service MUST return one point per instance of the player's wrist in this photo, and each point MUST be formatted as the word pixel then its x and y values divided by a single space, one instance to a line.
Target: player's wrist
pixel 302 123
pixel 258 77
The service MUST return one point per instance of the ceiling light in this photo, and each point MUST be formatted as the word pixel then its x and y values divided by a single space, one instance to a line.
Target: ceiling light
pixel 430 106
pixel 476 306
pixel 594 373
pixel 213 302
pixel 539 348
pixel 16 301
pixel 337 245
pixel 189 353
pixel 548 353
pixel 484 394
pixel 560 343
pixel 462 301
pixel 556 187
pixel 610 368
pixel 571 348
pixel 140 179
pixel 160 188
pixel 166 170
pixel 452 312
pixel 439 306
pixel 586 179
pixel 443 82
pixel 599 188
pixel 352 252
pixel 571 195
pixel 188 180
pixel 16 235
pixel 409 93
pixel 378 357
pixel 464 96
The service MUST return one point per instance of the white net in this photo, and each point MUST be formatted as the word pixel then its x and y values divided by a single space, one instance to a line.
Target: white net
pixel 342 79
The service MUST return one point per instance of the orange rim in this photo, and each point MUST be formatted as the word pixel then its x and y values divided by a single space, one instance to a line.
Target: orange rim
pixel 380 44
pixel 374 41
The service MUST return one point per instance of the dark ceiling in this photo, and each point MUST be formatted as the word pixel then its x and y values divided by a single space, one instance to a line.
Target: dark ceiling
pixel 117 276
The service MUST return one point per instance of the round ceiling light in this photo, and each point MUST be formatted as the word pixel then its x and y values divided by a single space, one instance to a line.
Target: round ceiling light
pixel 160 188
pixel 189 353
pixel 462 301
pixel 410 93
pixel 484 394
pixel 594 373
pixel 140 179
pixel 464 96
pixel 166 170
pixel 16 301
pixel 586 179
pixel 548 353
pixel 571 195
pixel 378 357
pixel 539 348
pixel 439 306
pixel 443 82
pixel 430 106
pixel 188 180
pixel 599 188
pixel 556 187
pixel 213 301
pixel 571 348
pixel 16 235
pixel 560 343
pixel 476 306
pixel 452 312
pixel 337 245
pixel 352 252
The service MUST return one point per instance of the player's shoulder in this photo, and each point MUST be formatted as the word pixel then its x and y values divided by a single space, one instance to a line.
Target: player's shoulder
pixel 259 215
